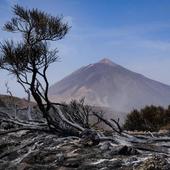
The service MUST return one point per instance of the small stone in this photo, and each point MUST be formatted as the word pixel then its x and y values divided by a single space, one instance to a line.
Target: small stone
pixel 72 163
pixel 127 150
pixel 89 138
pixel 105 146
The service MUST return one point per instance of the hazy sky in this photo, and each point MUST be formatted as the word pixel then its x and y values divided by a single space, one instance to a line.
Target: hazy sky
pixel 132 33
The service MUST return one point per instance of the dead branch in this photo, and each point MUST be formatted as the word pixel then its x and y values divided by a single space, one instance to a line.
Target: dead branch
pixel 103 139
pixel 117 124
pixel 22 123
pixel 65 120
pixel 150 148
pixel 23 128
pixel 107 122
pixel 5 115
pixel 7 89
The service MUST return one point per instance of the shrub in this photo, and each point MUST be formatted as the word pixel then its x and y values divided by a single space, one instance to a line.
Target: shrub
pixel 150 118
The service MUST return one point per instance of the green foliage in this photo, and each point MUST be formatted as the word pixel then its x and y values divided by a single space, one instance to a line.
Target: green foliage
pixel 150 118
pixel 36 25
pixel 37 29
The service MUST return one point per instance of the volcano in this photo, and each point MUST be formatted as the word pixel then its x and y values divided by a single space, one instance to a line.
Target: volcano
pixel 107 84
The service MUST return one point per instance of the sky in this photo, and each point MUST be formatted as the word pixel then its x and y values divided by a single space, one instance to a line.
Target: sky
pixel 132 33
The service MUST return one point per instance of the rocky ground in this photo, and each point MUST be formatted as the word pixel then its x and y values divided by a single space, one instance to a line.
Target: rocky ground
pixel 39 150
pixel 43 151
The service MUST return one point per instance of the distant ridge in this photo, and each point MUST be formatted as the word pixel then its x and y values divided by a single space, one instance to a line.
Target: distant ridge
pixel 108 84
pixel 6 100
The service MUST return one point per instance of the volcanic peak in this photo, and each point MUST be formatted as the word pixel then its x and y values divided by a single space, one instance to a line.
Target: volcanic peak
pixel 107 61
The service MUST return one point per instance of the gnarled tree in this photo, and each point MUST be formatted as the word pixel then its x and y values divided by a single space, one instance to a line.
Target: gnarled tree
pixel 30 58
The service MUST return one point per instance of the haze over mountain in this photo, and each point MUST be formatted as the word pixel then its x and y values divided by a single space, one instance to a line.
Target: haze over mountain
pixel 110 85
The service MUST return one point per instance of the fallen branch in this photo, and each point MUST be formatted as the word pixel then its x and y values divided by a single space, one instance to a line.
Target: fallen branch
pixel 23 128
pixel 103 139
pixel 5 114
pixel 151 148
pixel 20 123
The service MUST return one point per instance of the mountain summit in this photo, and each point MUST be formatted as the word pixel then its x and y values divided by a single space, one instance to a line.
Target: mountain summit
pixel 107 61
pixel 110 85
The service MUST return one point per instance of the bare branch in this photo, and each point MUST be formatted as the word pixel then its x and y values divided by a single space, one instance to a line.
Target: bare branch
pixel 107 123
pixel 8 90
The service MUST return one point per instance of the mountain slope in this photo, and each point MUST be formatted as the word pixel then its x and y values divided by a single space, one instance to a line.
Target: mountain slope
pixel 110 85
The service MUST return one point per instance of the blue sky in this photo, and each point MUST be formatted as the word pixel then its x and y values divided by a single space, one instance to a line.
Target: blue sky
pixel 132 33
